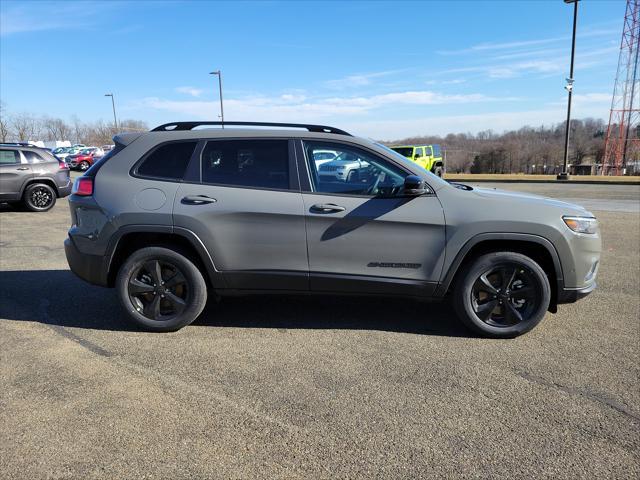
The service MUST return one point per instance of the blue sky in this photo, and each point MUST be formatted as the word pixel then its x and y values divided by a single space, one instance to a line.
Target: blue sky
pixel 381 69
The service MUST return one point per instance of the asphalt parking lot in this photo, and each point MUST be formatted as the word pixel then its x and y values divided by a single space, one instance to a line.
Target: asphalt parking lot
pixel 315 387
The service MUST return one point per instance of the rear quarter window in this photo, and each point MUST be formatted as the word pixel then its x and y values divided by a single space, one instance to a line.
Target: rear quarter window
pixel 168 161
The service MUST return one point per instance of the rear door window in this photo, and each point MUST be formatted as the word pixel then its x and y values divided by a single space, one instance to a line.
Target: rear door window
pixel 419 152
pixel 168 161
pixel 9 157
pixel 247 163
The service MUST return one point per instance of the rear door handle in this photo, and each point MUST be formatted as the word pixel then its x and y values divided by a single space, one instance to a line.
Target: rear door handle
pixel 198 200
pixel 327 208
pixel 22 168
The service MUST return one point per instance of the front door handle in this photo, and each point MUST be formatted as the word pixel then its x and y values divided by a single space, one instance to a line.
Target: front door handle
pixel 327 208
pixel 197 200
pixel 22 168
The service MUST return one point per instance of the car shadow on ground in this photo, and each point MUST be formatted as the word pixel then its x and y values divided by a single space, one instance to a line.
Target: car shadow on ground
pixel 58 297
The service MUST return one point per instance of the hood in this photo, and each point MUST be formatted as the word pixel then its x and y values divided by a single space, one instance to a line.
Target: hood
pixel 532 200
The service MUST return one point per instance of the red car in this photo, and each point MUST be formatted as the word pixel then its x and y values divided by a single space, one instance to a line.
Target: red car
pixel 81 160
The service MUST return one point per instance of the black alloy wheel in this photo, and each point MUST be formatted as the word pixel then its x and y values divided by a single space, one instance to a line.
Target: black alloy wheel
pixel 505 295
pixel 161 288
pixel 502 294
pixel 158 290
pixel 39 197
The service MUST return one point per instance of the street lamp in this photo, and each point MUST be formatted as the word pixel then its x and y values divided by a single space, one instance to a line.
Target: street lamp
pixel 113 104
pixel 219 74
pixel 564 175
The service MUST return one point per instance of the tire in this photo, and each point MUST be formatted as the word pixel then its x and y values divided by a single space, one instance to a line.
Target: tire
pixel 153 306
pixel 486 307
pixel 39 197
pixel 438 172
pixel 84 166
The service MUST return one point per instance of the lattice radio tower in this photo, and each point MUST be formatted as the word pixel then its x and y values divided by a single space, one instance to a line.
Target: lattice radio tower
pixel 622 141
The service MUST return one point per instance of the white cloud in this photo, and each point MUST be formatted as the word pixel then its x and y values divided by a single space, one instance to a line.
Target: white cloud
pixel 39 16
pixel 359 80
pixel 194 92
pixel 291 107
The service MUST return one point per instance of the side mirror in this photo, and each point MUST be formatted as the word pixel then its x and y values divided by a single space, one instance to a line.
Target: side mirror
pixel 414 185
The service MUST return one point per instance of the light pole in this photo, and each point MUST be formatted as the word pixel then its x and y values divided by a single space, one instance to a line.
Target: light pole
pixel 113 104
pixel 219 74
pixel 564 175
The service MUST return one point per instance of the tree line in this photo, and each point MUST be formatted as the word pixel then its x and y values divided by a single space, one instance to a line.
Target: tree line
pixel 24 127
pixel 526 150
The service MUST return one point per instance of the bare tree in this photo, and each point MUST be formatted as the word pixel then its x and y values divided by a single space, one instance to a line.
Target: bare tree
pixel 24 127
pixel 4 123
pixel 56 129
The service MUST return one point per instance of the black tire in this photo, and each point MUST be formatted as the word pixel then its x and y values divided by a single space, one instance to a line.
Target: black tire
pixel 159 306
pixel 39 197
pixel 438 171
pixel 502 295
pixel 84 166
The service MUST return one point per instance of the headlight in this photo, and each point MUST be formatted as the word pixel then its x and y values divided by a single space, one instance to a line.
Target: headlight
pixel 588 225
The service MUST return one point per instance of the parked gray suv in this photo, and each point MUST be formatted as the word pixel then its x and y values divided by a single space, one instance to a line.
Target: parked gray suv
pixel 32 176
pixel 170 216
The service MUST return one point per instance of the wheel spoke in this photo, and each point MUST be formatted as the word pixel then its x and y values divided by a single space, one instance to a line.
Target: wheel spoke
pixel 177 303
pixel 136 287
pixel 152 310
pixel 508 275
pixel 176 279
pixel 484 310
pixel 484 284
pixel 511 313
pixel 154 269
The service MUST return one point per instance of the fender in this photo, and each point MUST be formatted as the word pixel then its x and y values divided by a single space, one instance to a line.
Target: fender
pixel 482 237
pixel 215 276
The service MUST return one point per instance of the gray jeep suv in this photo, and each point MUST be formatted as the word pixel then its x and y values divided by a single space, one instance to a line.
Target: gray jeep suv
pixel 33 176
pixel 170 216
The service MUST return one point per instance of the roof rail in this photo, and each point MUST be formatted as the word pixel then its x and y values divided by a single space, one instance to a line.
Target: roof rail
pixel 176 126
pixel 19 144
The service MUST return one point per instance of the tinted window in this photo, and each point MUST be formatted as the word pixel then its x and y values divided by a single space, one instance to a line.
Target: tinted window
pixel 168 161
pixel 429 151
pixel 9 157
pixel 353 171
pixel 33 157
pixel 419 152
pixel 404 151
pixel 247 163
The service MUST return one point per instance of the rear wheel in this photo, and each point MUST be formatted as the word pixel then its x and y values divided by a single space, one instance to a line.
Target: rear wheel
pixel 438 171
pixel 39 197
pixel 84 166
pixel 161 289
pixel 502 295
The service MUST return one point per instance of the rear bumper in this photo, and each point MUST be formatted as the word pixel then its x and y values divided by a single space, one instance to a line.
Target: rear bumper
pixel 573 295
pixel 90 268
pixel 65 190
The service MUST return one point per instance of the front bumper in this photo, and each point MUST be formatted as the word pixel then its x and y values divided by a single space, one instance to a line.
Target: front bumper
pixel 571 295
pixel 90 268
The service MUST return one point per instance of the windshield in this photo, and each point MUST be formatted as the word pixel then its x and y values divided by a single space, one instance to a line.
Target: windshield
pixel 433 179
pixel 404 151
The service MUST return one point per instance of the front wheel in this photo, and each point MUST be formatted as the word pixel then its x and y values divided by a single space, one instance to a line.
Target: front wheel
pixel 84 166
pixel 161 289
pixel 502 295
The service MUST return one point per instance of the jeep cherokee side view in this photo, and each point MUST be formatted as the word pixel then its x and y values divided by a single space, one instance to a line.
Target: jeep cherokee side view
pixel 32 176
pixel 172 215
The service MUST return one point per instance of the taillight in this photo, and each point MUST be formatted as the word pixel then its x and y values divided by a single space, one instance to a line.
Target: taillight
pixel 62 164
pixel 83 187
